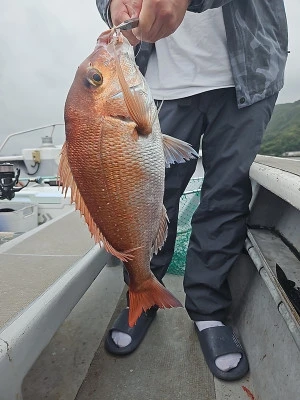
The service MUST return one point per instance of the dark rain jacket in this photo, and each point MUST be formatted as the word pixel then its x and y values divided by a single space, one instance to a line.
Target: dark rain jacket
pixel 257 42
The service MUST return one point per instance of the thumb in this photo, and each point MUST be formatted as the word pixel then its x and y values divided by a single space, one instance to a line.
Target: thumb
pixel 132 39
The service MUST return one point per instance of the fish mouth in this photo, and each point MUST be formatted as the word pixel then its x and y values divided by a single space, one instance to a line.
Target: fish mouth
pixel 122 118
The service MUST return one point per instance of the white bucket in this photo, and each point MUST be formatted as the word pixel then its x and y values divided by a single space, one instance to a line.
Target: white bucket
pixel 18 216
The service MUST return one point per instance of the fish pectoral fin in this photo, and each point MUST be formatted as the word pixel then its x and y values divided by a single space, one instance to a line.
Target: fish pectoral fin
pixel 138 111
pixel 162 232
pixel 135 102
pixel 177 151
pixel 149 294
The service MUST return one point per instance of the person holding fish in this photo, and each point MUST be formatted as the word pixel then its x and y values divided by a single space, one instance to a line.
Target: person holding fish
pixel 217 67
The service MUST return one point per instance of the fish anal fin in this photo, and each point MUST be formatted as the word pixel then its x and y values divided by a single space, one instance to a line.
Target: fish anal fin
pixel 66 181
pixel 162 231
pixel 149 294
pixel 177 151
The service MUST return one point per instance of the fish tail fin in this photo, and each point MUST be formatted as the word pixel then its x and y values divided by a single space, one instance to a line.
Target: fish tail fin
pixel 151 293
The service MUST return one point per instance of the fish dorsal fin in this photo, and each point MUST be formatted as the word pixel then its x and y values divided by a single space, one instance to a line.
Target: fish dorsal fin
pixel 162 232
pixel 67 181
pixel 135 102
pixel 177 151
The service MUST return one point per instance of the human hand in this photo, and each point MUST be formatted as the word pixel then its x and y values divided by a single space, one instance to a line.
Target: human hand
pixel 121 10
pixel 159 18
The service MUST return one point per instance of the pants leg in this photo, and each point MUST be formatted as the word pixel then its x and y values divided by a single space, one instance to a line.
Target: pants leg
pixel 230 143
pixel 180 119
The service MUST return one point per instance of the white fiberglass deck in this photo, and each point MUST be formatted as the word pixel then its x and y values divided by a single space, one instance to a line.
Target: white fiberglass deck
pixel 169 363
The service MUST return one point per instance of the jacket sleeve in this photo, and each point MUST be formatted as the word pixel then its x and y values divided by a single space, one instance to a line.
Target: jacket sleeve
pixel 203 5
pixel 103 7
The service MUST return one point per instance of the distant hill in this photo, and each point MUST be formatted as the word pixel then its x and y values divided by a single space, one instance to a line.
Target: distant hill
pixel 283 131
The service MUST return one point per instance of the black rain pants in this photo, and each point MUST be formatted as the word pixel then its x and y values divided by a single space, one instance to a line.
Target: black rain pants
pixel 231 140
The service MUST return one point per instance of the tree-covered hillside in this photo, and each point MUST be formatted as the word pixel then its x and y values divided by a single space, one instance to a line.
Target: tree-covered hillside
pixel 283 131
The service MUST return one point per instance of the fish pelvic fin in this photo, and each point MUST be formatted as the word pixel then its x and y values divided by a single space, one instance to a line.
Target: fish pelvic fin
pixel 150 293
pixel 135 102
pixel 66 181
pixel 162 232
pixel 177 151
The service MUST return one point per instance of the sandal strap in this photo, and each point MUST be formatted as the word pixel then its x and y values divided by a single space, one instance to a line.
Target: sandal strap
pixel 121 323
pixel 137 332
pixel 219 341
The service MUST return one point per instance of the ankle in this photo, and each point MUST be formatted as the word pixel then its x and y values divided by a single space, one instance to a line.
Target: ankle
pixel 201 325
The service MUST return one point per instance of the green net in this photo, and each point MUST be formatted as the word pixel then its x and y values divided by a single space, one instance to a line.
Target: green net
pixel 187 205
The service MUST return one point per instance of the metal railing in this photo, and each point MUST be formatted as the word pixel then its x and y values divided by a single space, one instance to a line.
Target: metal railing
pixel 28 131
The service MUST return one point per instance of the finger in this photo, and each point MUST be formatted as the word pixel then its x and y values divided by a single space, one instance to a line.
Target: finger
pixel 118 17
pixel 153 24
pixel 133 40
pixel 134 8
pixel 118 12
pixel 154 33
pixel 121 10
pixel 162 31
pixel 160 18
pixel 147 18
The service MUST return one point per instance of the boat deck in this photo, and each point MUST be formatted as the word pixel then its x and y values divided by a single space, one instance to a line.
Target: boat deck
pixel 169 364
pixel 31 262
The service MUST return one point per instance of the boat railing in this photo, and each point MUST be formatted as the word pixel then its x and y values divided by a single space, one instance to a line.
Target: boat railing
pixel 276 190
pixel 15 148
pixel 23 339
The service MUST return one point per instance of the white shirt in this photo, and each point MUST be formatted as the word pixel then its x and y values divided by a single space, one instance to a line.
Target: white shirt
pixel 194 59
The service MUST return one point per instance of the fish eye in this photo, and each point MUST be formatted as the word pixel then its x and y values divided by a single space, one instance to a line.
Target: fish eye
pixel 94 77
pixel 97 77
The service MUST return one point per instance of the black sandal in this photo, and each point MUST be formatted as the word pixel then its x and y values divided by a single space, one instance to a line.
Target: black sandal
pixel 219 341
pixel 137 332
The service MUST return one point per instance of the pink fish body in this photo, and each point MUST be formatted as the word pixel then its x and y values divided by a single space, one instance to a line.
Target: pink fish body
pixel 114 161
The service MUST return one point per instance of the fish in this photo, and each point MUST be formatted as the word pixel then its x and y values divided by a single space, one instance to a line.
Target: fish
pixel 114 159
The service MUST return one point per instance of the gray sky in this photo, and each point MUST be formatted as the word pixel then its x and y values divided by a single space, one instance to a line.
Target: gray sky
pixel 42 42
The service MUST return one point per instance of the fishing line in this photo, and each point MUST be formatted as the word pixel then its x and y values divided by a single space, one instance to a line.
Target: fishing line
pixel 132 14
